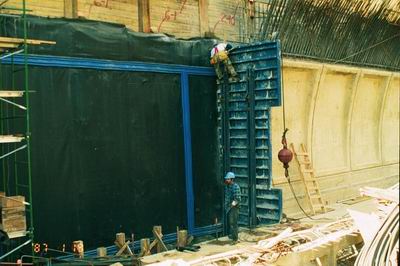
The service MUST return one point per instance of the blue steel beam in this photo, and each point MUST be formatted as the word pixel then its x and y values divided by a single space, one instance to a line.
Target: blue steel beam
pixel 102 64
pixel 187 139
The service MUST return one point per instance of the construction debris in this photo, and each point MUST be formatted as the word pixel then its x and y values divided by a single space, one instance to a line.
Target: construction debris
pixel 306 247
pixel 325 244
pixel 382 248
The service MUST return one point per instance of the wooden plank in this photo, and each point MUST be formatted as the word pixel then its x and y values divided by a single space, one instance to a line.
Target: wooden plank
pixel 6 45
pixel 14 201
pixel 13 224
pixel 144 16
pixel 17 234
pixel 203 16
pixel 71 8
pixel 12 212
pixel 10 139
pixel 8 40
pixel 10 94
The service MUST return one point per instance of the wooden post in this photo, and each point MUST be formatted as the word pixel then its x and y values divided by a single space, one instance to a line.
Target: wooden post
pixel 203 16
pixel 144 246
pixel 182 237
pixel 101 252
pixel 158 229
pixel 120 239
pixel 71 8
pixel 78 248
pixel 144 15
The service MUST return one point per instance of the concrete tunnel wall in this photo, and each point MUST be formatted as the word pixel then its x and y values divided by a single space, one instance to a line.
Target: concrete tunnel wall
pixel 348 118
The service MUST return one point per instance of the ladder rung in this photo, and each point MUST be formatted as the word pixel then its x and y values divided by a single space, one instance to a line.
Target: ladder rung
pixel 9 94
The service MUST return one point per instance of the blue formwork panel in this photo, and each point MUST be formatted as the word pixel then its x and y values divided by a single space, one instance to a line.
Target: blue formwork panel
pixel 244 120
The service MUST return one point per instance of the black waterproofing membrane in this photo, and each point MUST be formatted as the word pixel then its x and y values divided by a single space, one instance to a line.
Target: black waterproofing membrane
pixel 107 146
pixel 85 38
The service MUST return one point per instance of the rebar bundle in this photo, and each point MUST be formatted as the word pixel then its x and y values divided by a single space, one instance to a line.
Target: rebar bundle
pixel 357 32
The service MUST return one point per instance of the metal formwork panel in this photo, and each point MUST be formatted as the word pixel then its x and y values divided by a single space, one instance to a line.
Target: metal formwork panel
pixel 244 116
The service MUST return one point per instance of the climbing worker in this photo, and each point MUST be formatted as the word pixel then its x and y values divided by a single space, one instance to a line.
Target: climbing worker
pixel 232 204
pixel 220 56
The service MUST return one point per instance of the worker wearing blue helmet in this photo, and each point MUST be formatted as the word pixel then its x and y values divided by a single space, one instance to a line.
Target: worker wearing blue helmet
pixel 232 204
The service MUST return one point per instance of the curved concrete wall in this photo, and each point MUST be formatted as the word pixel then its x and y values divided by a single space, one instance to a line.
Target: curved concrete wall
pixel 348 118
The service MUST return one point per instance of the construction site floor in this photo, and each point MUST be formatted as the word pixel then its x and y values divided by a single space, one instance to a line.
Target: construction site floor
pixel 249 237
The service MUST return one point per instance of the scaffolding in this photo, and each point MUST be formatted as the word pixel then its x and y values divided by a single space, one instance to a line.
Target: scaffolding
pixel 16 205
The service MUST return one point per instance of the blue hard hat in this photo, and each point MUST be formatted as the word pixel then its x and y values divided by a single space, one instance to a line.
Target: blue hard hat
pixel 229 175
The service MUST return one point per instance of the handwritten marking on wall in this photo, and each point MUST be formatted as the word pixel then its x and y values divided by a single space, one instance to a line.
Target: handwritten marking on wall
pixel 103 3
pixel 171 15
pixel 98 3
pixel 225 19
pixel 228 19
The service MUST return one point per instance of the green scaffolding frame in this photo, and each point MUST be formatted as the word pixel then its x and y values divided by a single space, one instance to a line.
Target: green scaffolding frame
pixel 15 153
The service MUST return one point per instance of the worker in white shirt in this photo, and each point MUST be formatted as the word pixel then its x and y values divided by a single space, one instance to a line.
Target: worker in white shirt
pixel 220 56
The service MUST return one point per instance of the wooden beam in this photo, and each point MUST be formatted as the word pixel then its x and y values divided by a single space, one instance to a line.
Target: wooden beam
pixel 8 40
pixel 11 94
pixel 10 139
pixel 71 8
pixel 203 16
pixel 144 15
